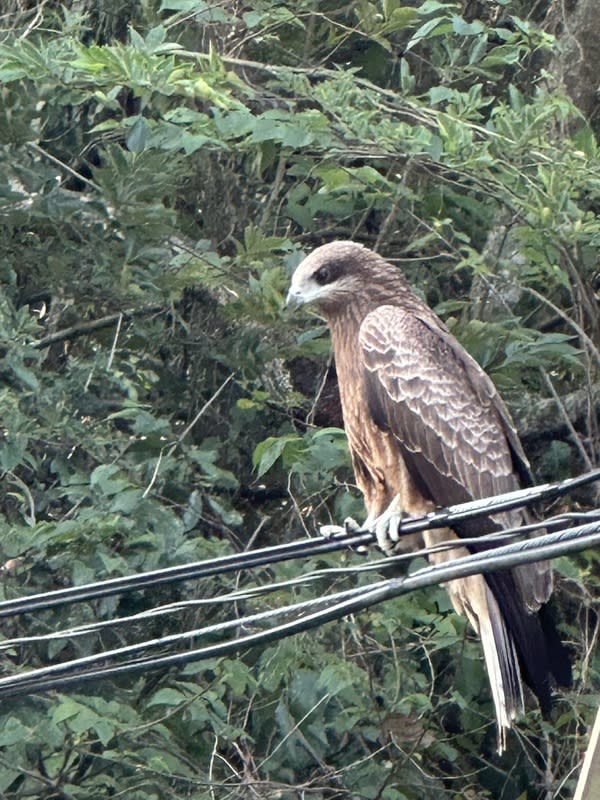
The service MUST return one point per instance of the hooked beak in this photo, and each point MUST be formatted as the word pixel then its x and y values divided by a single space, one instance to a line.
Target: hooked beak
pixel 293 300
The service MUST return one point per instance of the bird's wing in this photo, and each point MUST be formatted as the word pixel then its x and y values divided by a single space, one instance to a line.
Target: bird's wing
pixel 457 441
pixel 442 412
pixel 452 428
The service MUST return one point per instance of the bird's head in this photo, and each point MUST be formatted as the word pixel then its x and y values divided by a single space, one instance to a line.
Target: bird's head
pixel 332 276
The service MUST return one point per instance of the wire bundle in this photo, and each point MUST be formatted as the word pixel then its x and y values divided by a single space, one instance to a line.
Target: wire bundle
pixel 266 626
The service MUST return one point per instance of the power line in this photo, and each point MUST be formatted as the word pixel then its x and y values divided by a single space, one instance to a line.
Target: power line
pixel 304 548
pixel 251 592
pixel 339 604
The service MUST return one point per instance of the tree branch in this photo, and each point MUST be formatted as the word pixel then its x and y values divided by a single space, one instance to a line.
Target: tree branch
pixel 539 419
pixel 93 325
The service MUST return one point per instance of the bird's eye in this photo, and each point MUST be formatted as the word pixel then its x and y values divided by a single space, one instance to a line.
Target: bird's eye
pixel 323 275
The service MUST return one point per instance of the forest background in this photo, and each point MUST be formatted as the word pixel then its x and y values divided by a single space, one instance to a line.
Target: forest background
pixel 164 165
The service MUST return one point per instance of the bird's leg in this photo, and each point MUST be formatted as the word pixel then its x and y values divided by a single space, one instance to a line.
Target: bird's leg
pixel 386 526
pixel 349 527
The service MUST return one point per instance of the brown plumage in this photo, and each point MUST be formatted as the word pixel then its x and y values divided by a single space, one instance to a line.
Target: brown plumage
pixel 426 427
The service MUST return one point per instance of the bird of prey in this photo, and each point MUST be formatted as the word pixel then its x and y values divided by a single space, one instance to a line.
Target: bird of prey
pixel 426 428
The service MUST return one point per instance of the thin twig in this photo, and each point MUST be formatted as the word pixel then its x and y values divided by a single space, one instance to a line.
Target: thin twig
pixel 577 328
pixel 176 444
pixel 276 186
pixel 88 380
pixel 148 488
pixel 113 349
pixel 390 217
pixel 590 646
pixel 35 22
pixel 211 767
pixel 296 729
pixel 310 417
pixel 62 165
pixel 204 408
pixel 563 413
pixel 15 479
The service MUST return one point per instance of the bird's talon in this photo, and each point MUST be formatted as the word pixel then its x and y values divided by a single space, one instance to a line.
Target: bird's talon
pixel 387 529
pixel 329 531
pixel 349 527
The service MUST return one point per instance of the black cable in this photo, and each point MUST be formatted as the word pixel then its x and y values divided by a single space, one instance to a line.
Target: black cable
pixel 301 549
pixel 544 547
pixel 559 522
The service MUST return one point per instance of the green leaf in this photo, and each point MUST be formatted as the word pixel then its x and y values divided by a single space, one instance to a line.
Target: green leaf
pixel 230 516
pixel 105 478
pixel 13 731
pixel 138 136
pixel 196 6
pixel 26 375
pixel 273 448
pixel 66 709
pixel 463 28
pixel 432 28
pixel 146 423
pixel 156 37
pixel 8 775
pixel 168 697
pixel 127 501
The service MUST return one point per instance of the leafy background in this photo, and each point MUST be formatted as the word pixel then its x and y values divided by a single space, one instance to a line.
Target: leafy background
pixel 163 168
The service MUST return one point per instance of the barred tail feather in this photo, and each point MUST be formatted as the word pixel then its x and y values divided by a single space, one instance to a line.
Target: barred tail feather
pixel 543 660
pixel 519 645
pixel 473 597
pixel 502 665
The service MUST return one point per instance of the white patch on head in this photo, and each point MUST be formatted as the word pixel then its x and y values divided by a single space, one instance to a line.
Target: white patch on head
pixel 326 260
pixel 304 289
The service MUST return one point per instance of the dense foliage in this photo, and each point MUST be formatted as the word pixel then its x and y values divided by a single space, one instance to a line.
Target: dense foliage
pixel 163 167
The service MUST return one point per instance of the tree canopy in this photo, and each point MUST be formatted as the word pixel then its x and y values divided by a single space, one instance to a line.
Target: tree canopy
pixel 164 165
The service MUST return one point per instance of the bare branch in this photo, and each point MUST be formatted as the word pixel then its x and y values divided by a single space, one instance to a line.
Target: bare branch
pixel 84 328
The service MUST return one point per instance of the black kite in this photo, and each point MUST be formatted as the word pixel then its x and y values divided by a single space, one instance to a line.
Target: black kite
pixel 427 428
